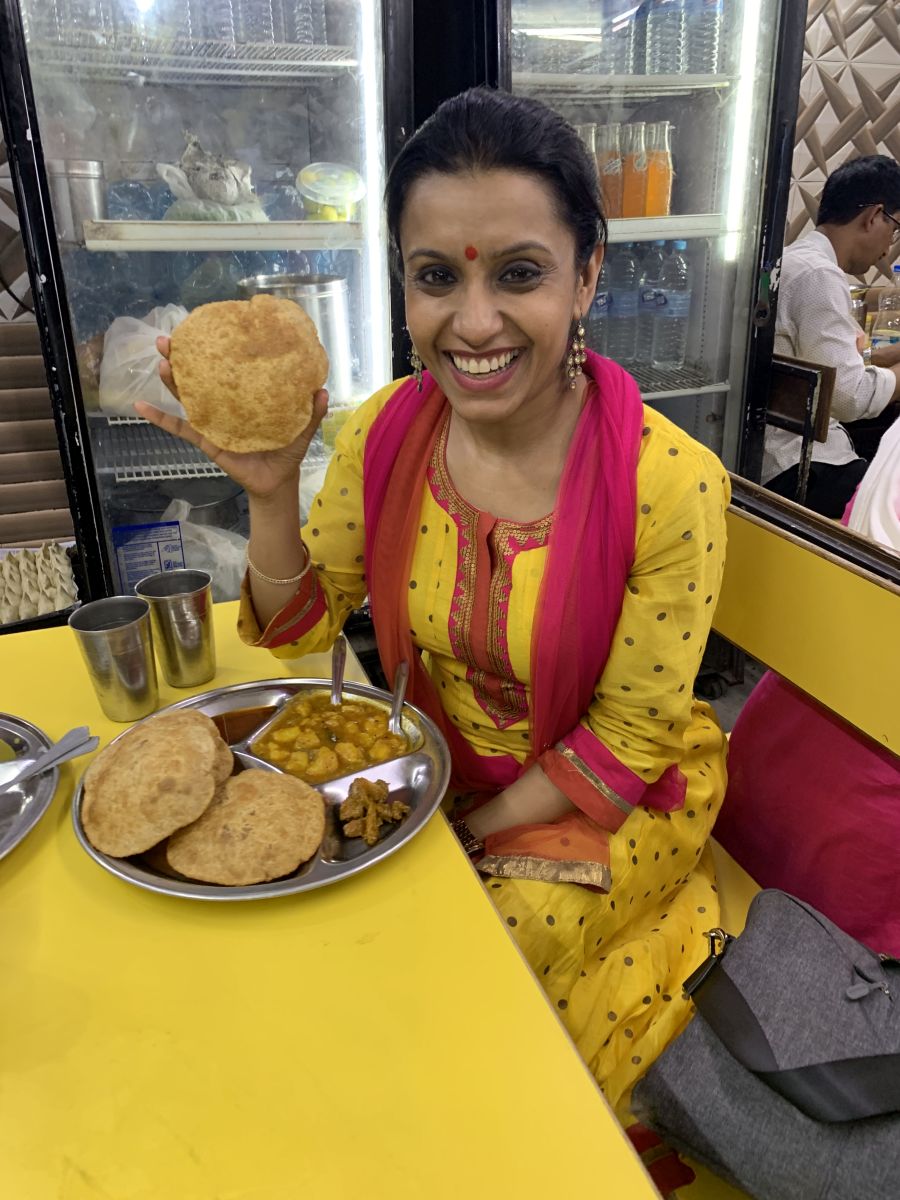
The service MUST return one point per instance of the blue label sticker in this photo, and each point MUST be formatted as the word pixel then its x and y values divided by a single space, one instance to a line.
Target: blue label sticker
pixel 674 304
pixel 623 303
pixel 143 550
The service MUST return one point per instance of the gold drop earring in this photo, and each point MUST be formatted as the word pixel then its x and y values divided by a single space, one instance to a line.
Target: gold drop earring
pixel 576 357
pixel 417 365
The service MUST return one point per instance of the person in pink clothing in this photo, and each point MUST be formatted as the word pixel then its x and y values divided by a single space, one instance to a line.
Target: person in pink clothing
pixel 813 805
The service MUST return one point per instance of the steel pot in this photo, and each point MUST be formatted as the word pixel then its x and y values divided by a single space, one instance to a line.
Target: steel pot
pixel 325 299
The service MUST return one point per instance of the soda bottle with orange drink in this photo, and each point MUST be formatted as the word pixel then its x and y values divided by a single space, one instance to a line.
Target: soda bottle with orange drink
pixel 634 171
pixel 609 168
pixel 658 201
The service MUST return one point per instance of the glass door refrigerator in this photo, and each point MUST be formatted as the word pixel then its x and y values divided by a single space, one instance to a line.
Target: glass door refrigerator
pixel 689 107
pixel 167 153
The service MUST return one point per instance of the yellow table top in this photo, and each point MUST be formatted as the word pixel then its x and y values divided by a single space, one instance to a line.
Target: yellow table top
pixel 378 1038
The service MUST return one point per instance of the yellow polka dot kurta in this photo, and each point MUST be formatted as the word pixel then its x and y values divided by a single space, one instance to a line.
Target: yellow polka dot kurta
pixel 612 964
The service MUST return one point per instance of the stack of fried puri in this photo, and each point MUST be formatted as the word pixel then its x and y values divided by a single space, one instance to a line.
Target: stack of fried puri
pixel 170 778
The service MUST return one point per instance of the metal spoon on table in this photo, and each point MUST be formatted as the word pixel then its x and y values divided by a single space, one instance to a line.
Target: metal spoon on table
pixel 71 745
pixel 395 724
pixel 338 662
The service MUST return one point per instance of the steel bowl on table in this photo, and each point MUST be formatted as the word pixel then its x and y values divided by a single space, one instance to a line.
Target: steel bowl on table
pixel 419 778
pixel 23 804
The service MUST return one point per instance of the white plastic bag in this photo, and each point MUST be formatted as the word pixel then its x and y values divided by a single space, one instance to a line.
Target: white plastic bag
pixel 211 210
pixel 130 367
pixel 219 552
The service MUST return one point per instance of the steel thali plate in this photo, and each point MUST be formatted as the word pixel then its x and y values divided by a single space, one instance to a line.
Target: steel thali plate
pixel 419 778
pixel 23 804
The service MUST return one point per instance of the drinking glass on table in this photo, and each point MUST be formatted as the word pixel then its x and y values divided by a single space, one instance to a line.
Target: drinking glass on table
pixel 181 614
pixel 117 646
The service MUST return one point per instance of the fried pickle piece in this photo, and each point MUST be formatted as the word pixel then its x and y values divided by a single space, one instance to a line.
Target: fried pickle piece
pixel 367 808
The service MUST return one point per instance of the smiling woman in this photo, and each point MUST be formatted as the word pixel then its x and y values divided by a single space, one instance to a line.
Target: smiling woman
pixel 546 554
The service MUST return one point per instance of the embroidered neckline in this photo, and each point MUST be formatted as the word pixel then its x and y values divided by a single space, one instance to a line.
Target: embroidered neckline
pixel 502 697
pixel 539 528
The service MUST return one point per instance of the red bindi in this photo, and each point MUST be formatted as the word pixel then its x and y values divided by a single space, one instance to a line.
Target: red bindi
pixel 471 253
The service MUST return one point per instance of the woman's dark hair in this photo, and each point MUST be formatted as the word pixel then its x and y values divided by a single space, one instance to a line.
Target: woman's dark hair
pixel 873 179
pixel 483 130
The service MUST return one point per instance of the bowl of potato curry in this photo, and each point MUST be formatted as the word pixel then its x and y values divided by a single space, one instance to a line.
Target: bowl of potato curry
pixel 318 741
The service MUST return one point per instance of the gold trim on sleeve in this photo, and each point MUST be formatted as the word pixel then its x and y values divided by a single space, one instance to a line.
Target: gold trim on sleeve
pixel 545 870
pixel 298 617
pixel 593 778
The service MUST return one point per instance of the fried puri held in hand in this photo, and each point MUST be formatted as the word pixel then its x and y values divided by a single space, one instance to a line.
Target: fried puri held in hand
pixel 247 371
pixel 260 826
pixel 159 777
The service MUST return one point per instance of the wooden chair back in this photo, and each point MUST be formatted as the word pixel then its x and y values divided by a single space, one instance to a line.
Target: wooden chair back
pixel 800 396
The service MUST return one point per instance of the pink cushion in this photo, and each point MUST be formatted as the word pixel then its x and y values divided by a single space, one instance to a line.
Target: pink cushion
pixel 813 807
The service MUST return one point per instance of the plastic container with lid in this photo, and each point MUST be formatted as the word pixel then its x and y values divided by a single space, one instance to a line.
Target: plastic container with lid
pixel 330 191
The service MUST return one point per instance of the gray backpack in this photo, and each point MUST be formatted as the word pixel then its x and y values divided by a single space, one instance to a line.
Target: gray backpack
pixel 787 1080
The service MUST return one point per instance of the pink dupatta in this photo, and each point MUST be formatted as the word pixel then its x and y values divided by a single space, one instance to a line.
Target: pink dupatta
pixel 590 553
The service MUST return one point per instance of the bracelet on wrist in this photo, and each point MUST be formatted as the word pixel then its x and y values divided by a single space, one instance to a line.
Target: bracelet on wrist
pixel 295 579
pixel 467 839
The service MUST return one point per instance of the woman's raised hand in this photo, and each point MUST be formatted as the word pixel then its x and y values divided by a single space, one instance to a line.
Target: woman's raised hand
pixel 260 473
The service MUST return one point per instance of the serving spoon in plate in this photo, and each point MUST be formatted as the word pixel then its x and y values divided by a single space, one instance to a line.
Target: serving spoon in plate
pixel 395 723
pixel 338 663
pixel 71 745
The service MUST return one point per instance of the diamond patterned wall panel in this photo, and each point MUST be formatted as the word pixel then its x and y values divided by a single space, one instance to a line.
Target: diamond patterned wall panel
pixel 15 292
pixel 849 97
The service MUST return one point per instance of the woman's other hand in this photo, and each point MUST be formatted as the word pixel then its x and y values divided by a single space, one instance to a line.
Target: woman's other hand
pixel 261 473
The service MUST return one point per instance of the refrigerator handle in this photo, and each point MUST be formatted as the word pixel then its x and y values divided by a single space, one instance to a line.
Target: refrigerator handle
pixel 763 312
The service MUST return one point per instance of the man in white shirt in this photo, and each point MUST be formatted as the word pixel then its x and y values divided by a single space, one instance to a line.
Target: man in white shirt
pixel 858 225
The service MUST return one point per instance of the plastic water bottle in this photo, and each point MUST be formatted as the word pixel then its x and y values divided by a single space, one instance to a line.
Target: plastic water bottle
pixel 596 325
pixel 45 22
pixel 705 40
pixel 886 331
pixel 640 38
pixel 670 329
pixel 320 32
pixel 620 23
pixel 306 22
pixel 649 287
pixel 216 20
pixel 666 37
pixel 621 340
pixel 93 18
pixel 259 21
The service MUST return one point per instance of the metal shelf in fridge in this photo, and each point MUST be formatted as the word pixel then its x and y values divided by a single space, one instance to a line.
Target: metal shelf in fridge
pixel 186 60
pixel 680 226
pixel 224 235
pixel 583 88
pixel 664 383
pixel 132 450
